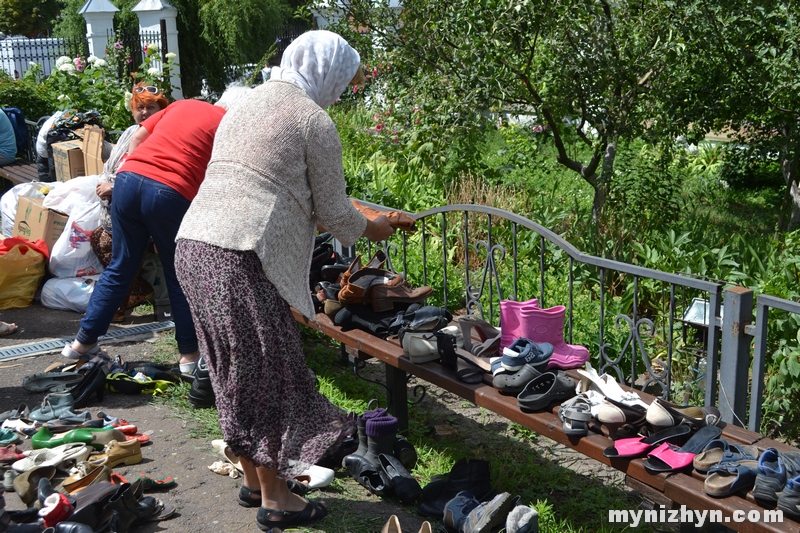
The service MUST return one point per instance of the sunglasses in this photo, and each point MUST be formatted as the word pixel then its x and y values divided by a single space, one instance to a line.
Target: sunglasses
pixel 149 88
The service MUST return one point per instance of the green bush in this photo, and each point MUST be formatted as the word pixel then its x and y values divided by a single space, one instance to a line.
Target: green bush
pixel 34 99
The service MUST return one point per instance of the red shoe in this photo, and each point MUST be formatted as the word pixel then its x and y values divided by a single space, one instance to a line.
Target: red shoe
pixel 10 453
pixel 127 429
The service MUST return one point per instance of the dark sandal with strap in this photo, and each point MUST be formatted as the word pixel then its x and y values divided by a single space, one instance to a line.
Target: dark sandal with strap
pixel 247 499
pixel 312 512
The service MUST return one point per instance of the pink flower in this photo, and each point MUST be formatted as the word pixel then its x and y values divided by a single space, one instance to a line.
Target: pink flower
pixel 375 72
pixel 79 64
pixel 355 89
pixel 118 45
pixel 379 127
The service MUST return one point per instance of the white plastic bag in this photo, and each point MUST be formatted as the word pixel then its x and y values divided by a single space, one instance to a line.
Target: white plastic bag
pixel 8 203
pixel 72 255
pixel 72 294
pixel 72 194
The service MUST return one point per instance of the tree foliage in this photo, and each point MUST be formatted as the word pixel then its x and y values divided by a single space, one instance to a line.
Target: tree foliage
pixel 31 18
pixel 585 69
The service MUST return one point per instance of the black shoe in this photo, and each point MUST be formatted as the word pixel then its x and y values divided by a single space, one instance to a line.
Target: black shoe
pixel 471 476
pixel 368 475
pixel 94 382
pixel 405 487
pixel 201 395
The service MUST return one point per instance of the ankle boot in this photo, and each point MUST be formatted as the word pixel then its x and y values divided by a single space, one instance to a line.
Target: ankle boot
pixel 547 325
pixel 381 433
pixel 511 324
pixel 471 476
pixel 54 405
pixel 201 395
pixel 128 509
pixel 94 382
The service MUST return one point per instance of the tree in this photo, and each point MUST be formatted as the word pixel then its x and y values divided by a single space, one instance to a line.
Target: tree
pixel 584 68
pixel 741 74
pixel 31 18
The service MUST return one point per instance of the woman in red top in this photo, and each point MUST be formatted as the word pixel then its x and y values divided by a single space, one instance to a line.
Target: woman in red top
pixel 167 161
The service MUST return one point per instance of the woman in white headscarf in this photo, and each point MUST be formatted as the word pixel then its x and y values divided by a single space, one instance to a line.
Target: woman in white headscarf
pixel 243 257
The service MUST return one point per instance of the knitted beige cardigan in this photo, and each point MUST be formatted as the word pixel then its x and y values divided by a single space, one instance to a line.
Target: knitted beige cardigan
pixel 276 169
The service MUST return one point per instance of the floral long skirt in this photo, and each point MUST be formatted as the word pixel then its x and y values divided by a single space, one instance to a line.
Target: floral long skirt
pixel 269 408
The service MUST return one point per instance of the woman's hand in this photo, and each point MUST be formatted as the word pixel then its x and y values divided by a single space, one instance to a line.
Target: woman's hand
pixel 104 190
pixel 378 229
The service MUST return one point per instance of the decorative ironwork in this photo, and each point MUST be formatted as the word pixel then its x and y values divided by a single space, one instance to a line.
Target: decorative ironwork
pixel 359 365
pixel 488 275
pixel 634 344
pixel 419 392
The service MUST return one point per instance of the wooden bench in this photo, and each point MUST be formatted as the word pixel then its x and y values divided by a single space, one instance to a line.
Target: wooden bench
pixel 20 171
pixel 671 490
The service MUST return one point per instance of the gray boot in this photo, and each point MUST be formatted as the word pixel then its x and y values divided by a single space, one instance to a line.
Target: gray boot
pixel 54 405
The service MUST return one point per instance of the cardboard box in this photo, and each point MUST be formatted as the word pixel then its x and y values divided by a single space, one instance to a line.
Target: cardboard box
pixel 35 221
pixel 93 137
pixel 68 159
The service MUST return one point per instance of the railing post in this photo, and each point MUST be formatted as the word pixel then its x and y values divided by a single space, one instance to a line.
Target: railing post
pixel 735 360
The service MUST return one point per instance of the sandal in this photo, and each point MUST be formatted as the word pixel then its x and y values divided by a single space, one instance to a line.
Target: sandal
pixel 721 451
pixel 312 512
pixel 246 494
pixel 640 446
pixel 668 458
pixel 575 415
pixel 489 336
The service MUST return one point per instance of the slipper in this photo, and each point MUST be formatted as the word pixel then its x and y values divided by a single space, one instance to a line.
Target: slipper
pixel 719 451
pixel 668 458
pixel 141 437
pixel 542 391
pixel 731 477
pixel 69 353
pixel 575 415
pixel 7 329
pixel 10 453
pixel 152 483
pixel 8 436
pixel 641 446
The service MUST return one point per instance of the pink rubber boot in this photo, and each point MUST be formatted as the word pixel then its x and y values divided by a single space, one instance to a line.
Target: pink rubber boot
pixel 511 320
pixel 547 325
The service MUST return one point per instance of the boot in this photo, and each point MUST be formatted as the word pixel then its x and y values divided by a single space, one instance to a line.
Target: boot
pixel 361 423
pixel 381 433
pixel 471 476
pixel 128 509
pixel 54 405
pixel 511 323
pixel 547 325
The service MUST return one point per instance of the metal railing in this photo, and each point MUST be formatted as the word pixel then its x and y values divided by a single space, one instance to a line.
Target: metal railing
pixel 17 53
pixel 475 256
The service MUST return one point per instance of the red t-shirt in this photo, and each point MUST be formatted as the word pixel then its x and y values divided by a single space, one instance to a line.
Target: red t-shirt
pixel 179 146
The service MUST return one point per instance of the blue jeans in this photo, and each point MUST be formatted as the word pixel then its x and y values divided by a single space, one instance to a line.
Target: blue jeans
pixel 141 208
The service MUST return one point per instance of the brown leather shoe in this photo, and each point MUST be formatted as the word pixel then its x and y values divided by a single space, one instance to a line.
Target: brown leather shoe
pixel 380 289
pixel 397 219
pixel 87 474
pixel 129 452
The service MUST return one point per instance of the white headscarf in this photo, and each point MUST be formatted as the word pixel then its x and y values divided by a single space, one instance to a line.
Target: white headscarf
pixel 320 62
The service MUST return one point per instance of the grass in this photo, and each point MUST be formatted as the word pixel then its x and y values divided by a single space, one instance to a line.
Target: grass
pixel 520 462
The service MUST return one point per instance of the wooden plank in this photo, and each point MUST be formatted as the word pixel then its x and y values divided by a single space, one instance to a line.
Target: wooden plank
pixel 679 488
pixel 685 490
pixel 20 171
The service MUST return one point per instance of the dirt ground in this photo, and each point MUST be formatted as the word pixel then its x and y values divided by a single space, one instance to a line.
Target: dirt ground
pixel 205 500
